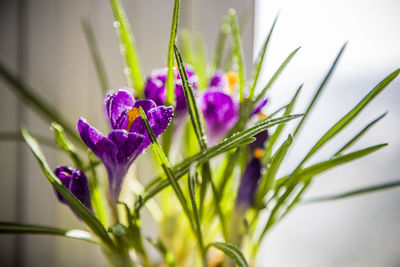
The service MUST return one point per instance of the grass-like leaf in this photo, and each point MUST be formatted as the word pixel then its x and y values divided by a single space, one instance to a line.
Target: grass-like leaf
pixel 92 222
pixel 16 136
pixel 361 133
pixel 95 53
pixel 260 59
pixel 192 193
pixel 44 109
pixel 267 181
pixel 232 252
pixel 238 52
pixel 170 92
pixel 357 192
pixel 276 74
pixel 133 70
pixel 227 144
pixel 274 137
pixel 319 90
pixel 190 101
pixel 345 120
pixel 166 254
pixel 221 41
pixel 18 228
pixel 65 144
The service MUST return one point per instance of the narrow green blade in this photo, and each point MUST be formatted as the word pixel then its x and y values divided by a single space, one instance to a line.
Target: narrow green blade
pixel 229 143
pixel 238 52
pixel 95 53
pixel 360 134
pixel 17 228
pixel 321 87
pixel 133 70
pixel 221 41
pixel 170 92
pixel 41 106
pixel 357 192
pixel 232 252
pixel 65 144
pixel 190 101
pixel 345 120
pixel 276 75
pixel 92 222
pixel 166 254
pixel 260 59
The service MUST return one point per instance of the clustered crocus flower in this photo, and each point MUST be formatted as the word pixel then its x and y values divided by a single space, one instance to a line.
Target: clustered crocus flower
pixel 219 107
pixel 252 174
pixel 128 136
pixel 76 182
pixel 155 90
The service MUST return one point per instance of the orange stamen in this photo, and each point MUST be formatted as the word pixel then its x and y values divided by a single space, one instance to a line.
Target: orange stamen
pixel 233 80
pixel 258 153
pixel 132 115
pixel 262 115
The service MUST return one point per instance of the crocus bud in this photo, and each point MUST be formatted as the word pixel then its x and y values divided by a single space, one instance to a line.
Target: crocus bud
pixel 76 182
pixel 248 184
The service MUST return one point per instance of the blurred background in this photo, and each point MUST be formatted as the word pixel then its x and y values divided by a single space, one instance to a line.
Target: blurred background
pixel 43 42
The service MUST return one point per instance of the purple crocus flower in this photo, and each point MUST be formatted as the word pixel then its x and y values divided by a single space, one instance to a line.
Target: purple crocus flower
pixel 220 113
pixel 76 182
pixel 252 174
pixel 154 88
pixel 128 137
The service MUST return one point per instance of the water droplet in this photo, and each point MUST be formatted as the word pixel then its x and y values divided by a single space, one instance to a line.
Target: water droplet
pixel 116 24
pixel 122 50
pixel 127 70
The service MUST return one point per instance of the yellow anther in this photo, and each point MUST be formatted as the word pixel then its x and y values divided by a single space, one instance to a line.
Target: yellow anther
pixel 132 115
pixel 262 115
pixel 258 153
pixel 233 80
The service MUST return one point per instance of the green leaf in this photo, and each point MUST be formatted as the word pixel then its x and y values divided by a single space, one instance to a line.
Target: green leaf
pixel 345 120
pixel 232 252
pixel 92 222
pixel 279 129
pixel 65 144
pixel 17 228
pixel 221 41
pixel 170 92
pixel 309 172
pixel 354 193
pixel 238 52
pixel 95 53
pixel 227 144
pixel 43 108
pixel 165 165
pixel 321 87
pixel 276 75
pixel 96 194
pixel 190 101
pixel 185 42
pixel 133 71
pixel 260 59
pixel 268 180
pixel 361 133
pixel 166 254
pixel 12 136
pixel 192 192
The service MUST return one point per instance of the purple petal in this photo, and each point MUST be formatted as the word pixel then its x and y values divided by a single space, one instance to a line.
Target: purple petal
pixel 259 107
pixel 219 80
pixel 261 138
pixel 220 112
pixel 249 184
pixel 145 104
pixel 101 146
pixel 129 147
pixel 116 103
pixel 76 182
